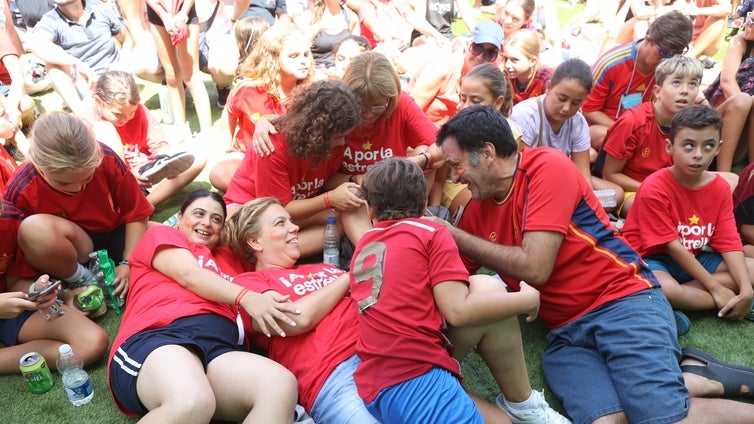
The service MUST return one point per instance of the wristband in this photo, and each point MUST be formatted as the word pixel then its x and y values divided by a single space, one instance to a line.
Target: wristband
pixel 431 162
pixel 327 200
pixel 124 262
pixel 426 158
pixel 240 296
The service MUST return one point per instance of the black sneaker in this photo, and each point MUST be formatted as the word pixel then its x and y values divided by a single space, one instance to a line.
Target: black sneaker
pixel 164 166
pixel 222 96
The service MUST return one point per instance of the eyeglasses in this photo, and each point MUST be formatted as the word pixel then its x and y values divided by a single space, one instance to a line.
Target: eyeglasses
pixel 488 55
pixel 375 108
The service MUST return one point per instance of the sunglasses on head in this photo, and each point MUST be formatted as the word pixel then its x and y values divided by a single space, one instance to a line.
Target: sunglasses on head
pixel 488 55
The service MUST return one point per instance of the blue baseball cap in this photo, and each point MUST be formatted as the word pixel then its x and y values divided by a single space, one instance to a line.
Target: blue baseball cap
pixel 488 32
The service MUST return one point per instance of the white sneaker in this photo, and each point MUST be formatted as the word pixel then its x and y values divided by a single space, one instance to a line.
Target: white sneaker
pixel 539 413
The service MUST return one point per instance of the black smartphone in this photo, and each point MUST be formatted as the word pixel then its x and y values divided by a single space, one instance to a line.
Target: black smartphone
pixel 54 284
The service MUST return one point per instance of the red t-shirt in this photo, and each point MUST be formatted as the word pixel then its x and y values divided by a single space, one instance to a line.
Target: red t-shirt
pixel 142 136
pixel 247 103
pixel 394 269
pixel 407 127
pixel 665 210
pixel 593 266
pixel 311 356
pixel 12 263
pixel 636 138
pixel 111 199
pixel 8 166
pixel 615 74
pixel 535 88
pixel 280 175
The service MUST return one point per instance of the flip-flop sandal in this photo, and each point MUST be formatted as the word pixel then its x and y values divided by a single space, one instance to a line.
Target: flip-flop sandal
pixel 732 377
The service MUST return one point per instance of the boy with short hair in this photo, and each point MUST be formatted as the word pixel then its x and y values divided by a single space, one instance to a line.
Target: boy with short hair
pixel 408 280
pixel 681 211
pixel 634 146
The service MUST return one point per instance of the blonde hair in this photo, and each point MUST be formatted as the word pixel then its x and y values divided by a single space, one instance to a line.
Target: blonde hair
pixel 682 66
pixel 263 63
pixel 372 77
pixel 61 141
pixel 526 41
pixel 246 224
pixel 117 87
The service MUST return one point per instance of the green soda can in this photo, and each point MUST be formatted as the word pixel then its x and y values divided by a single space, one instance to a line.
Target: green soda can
pixel 91 299
pixel 36 372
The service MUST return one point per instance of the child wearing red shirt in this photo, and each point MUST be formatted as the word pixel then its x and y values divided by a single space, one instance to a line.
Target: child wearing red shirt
pixel 682 210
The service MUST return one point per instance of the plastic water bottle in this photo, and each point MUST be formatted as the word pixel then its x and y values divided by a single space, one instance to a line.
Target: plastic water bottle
pixel 608 197
pixel 76 381
pixel 331 245
pixel 167 110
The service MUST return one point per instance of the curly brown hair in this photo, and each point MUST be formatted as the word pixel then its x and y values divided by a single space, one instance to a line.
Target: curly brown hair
pixel 316 113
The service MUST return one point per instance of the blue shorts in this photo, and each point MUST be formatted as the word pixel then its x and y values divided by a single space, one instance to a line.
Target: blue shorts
pixel 114 242
pixel 208 336
pixel 623 356
pixel 338 401
pixel 662 262
pixel 9 328
pixel 434 397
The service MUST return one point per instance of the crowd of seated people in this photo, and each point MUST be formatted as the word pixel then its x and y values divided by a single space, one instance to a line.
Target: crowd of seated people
pixel 315 101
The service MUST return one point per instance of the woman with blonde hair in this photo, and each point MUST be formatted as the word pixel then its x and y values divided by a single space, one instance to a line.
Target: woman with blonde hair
pixel 78 197
pixel 280 62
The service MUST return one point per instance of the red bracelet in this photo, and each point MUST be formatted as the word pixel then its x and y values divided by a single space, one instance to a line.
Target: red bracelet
pixel 240 296
pixel 327 200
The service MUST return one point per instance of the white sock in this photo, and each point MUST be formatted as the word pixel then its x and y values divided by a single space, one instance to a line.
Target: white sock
pixel 521 406
pixel 80 270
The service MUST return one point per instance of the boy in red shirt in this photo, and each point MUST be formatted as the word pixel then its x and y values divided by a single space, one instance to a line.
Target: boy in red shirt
pixel 681 210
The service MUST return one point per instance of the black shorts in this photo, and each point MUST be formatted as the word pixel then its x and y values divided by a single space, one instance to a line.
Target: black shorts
pixel 114 242
pixel 154 18
pixel 9 328
pixel 208 336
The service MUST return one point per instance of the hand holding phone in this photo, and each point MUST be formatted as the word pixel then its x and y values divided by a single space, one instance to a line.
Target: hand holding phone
pixel 34 294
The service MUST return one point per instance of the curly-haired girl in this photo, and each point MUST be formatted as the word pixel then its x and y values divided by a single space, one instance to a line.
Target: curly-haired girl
pixel 308 149
pixel 278 63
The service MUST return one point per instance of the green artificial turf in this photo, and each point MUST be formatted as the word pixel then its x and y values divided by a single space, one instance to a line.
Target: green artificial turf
pixel 729 341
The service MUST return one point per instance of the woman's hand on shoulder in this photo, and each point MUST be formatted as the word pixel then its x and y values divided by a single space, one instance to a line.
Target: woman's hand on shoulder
pixel 261 138
pixel 268 309
pixel 346 197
